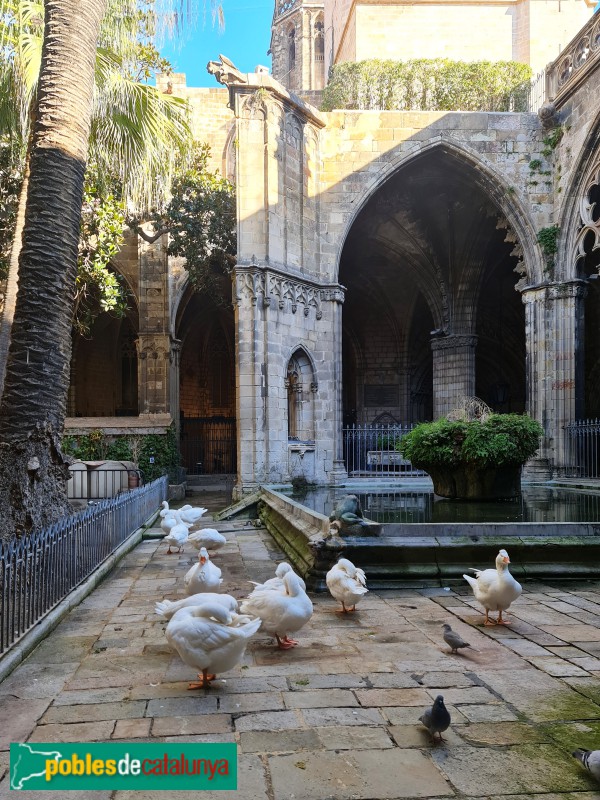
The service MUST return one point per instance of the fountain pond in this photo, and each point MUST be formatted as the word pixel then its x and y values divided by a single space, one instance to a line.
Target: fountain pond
pixel 419 539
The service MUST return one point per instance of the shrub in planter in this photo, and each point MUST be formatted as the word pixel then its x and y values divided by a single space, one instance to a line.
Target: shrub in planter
pixel 474 460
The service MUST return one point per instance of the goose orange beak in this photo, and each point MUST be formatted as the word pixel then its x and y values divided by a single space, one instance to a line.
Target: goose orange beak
pixel 506 560
pixel 202 560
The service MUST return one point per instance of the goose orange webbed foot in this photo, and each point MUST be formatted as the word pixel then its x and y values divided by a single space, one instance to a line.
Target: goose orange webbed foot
pixel 284 643
pixel 204 682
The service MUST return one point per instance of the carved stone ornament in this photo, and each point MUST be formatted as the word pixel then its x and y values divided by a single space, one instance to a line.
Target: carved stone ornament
pixel 255 284
pixel 226 72
pixel 548 115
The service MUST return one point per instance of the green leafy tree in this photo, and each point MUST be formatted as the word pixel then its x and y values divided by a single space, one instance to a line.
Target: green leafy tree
pixel 200 219
pixel 68 99
pixel 137 133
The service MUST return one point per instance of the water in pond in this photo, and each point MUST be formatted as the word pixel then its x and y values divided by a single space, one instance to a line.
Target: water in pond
pixel 536 504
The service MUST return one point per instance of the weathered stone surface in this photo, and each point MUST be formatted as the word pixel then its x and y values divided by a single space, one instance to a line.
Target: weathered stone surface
pixel 279 741
pixel 384 774
pixel 520 768
pixel 200 724
pixel 74 732
pixel 322 698
pixel 18 718
pixel 97 711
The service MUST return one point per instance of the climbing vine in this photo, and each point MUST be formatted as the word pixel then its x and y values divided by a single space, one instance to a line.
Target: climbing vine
pixel 428 85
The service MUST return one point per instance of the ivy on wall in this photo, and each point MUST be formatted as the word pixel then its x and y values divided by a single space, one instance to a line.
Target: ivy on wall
pixel 155 454
pixel 428 85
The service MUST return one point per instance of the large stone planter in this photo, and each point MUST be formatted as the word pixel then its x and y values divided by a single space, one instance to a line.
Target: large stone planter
pixel 467 482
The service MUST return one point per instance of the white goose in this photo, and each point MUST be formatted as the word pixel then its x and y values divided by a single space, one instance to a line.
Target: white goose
pixel 282 612
pixel 169 521
pixel 203 576
pixel 209 637
pixel 207 537
pixel 177 536
pixel 166 608
pixel 495 588
pixel 192 514
pixel 276 583
pixel 346 583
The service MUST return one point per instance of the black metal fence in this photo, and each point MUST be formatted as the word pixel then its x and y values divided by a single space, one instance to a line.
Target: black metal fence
pixel 372 450
pixel 583 448
pixel 208 445
pixel 38 571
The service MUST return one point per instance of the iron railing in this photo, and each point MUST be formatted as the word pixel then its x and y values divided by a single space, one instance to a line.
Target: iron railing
pixel 371 450
pixel 583 448
pixel 537 95
pixel 208 445
pixel 39 570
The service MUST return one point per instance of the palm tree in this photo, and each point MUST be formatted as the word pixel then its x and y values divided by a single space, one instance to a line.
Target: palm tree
pixel 33 471
pixel 136 131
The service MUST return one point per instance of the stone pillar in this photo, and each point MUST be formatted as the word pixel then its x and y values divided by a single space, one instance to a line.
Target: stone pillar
pixel 453 371
pixel 252 379
pixel 154 344
pixel 339 472
pixel 554 317
pixel 174 359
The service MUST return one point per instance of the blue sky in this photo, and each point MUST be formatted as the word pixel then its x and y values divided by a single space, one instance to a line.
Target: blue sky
pixel 245 40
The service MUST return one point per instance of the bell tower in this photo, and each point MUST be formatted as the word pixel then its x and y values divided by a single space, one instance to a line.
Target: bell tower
pixel 298 45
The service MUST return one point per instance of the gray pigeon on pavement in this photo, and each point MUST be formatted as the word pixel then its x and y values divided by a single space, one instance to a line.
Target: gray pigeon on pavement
pixel 455 640
pixel 590 760
pixel 437 718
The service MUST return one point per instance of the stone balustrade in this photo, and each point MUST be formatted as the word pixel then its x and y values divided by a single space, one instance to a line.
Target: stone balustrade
pixel 576 62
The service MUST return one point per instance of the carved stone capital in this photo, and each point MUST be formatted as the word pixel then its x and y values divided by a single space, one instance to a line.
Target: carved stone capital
pixel 453 341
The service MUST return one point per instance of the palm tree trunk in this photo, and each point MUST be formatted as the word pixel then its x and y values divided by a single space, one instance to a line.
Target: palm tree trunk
pixel 10 298
pixel 33 471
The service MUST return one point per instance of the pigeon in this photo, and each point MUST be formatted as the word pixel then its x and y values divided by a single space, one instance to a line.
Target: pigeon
pixel 437 718
pixel 590 760
pixel 455 641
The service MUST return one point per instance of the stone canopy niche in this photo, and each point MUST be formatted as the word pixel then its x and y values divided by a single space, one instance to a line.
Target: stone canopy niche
pixel 431 268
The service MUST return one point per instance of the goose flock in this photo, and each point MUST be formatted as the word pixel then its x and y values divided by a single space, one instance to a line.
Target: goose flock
pixel 210 630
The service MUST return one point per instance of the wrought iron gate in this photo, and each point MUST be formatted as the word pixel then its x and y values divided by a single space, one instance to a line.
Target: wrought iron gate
pixel 208 445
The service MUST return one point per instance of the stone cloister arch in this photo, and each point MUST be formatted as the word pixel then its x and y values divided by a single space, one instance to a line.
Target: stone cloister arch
pixel 578 266
pixel 430 266
pixel 207 389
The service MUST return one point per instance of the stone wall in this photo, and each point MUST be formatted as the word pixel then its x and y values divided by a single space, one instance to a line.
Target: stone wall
pixel 211 119
pixel 362 149
pixel 531 31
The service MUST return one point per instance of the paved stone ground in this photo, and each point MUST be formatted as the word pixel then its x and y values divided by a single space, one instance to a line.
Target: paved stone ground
pixel 338 716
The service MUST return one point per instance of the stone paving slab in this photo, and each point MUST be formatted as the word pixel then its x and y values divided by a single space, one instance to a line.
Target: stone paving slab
pixel 337 718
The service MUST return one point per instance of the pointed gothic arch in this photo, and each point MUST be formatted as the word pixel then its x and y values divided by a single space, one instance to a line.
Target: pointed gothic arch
pixel 301 386
pixel 432 266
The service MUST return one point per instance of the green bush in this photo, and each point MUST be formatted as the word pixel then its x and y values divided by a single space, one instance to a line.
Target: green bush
pixel 428 85
pixel 501 440
pixel 155 454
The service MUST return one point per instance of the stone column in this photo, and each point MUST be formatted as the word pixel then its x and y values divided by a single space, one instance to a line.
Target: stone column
pixel 554 318
pixel 174 359
pixel 251 378
pixel 453 371
pixel 154 344
pixel 338 472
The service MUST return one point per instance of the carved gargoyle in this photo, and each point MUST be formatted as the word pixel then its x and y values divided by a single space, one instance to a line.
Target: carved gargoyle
pixel 225 71
pixel 549 116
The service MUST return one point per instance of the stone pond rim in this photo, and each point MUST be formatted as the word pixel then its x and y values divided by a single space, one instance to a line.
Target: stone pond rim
pixel 422 554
